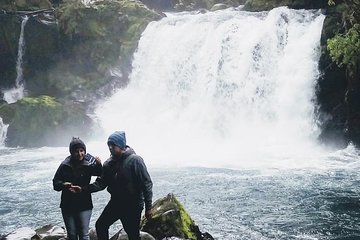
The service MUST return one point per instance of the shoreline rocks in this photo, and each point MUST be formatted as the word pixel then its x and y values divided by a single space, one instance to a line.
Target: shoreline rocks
pixel 170 221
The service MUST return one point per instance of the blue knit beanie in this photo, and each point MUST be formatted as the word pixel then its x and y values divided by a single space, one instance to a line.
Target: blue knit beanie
pixel 118 139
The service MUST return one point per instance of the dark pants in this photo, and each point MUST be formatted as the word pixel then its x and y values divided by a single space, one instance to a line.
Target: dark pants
pixel 128 214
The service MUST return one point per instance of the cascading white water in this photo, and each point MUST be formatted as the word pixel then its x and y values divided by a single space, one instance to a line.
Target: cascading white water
pixel 16 93
pixel 3 131
pixel 226 88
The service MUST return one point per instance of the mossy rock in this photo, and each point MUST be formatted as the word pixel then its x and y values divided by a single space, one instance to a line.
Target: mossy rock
pixel 266 5
pixel 7 5
pixel 190 5
pixel 103 27
pixel 95 38
pixel 30 5
pixel 170 219
pixel 43 121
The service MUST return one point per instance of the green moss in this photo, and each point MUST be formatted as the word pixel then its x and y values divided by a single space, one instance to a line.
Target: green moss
pixel 45 101
pixel 187 222
pixel 42 121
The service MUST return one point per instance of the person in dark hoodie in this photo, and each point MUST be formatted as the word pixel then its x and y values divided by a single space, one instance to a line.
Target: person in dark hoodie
pixel 128 181
pixel 76 171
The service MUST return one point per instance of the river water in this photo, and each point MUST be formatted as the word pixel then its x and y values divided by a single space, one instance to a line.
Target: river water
pixel 222 108
pixel 320 201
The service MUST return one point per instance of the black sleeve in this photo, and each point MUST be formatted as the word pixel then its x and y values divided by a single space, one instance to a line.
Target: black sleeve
pixel 100 183
pixel 58 181
pixel 95 169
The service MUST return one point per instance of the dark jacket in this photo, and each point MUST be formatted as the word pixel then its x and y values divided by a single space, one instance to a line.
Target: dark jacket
pixel 78 173
pixel 126 179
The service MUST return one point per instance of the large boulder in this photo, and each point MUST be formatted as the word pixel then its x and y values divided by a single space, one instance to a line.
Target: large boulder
pixel 170 219
pixel 44 121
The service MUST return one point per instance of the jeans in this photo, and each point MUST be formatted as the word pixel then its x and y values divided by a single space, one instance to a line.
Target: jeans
pixel 77 224
pixel 129 216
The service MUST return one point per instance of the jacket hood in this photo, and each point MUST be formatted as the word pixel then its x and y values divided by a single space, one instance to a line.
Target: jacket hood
pixel 71 163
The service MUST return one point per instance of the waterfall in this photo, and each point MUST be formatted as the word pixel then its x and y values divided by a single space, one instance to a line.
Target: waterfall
pixel 16 93
pixel 226 88
pixel 3 131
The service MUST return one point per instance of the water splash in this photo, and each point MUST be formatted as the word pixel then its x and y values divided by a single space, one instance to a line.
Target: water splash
pixel 16 93
pixel 225 88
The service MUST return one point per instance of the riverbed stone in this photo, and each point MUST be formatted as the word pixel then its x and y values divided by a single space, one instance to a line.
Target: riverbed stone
pixel 49 232
pixel 121 235
pixel 24 233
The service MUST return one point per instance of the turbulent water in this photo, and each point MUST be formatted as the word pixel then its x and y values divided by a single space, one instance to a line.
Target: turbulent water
pixel 320 202
pixel 221 106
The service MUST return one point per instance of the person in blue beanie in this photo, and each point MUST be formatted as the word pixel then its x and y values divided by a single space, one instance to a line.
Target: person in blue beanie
pixel 76 171
pixel 129 184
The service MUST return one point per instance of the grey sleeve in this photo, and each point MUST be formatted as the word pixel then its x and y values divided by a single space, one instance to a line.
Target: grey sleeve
pixel 145 182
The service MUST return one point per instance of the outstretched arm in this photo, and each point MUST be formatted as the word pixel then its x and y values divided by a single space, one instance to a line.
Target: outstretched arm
pixel 100 183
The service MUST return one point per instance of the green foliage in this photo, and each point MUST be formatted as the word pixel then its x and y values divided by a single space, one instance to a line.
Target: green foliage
pixel 345 48
pixel 70 15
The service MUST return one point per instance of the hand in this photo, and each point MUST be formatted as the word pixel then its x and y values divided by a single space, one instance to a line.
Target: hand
pixel 149 214
pixel 67 185
pixel 98 160
pixel 75 189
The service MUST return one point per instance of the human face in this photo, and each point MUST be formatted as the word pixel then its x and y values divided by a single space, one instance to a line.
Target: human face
pixel 78 154
pixel 115 151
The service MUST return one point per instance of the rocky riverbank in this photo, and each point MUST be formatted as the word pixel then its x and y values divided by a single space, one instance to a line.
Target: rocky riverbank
pixel 170 220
